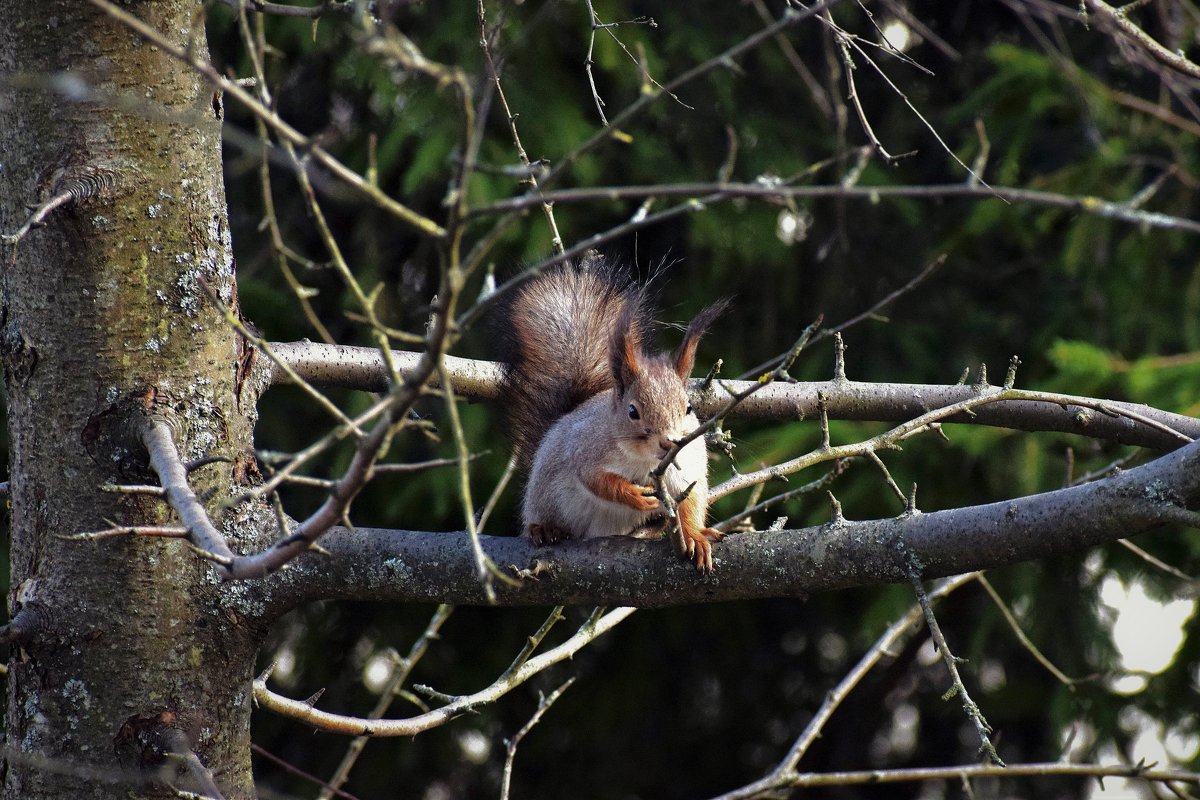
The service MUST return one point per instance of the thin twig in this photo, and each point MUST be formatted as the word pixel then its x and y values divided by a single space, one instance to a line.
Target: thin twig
pixel 285 10
pixel 180 746
pixel 896 633
pixel 721 60
pixel 401 669
pixel 285 131
pixel 970 707
pixel 337 723
pixel 1026 642
pixel 294 770
pixel 485 38
pixel 808 488
pixel 982 395
pixel 37 217
pixel 844 44
pixel 509 471
pixel 1158 563
pixel 159 531
pixel 969 771
pixel 485 568
pixel 511 745
pixel 711 192
pixel 1117 18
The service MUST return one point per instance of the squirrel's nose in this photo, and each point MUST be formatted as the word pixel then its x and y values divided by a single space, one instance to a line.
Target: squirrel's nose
pixel 665 444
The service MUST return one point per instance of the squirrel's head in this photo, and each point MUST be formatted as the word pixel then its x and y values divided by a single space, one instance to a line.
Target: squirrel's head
pixel 651 390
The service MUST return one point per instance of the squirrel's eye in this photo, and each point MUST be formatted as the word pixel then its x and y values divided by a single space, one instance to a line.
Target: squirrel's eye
pixel 633 412
pixel 689 409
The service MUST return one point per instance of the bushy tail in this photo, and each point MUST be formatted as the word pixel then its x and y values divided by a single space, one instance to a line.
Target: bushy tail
pixel 554 333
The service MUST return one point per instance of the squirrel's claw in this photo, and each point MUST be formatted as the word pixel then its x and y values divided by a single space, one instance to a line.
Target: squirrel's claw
pixel 699 548
pixel 646 498
pixel 542 535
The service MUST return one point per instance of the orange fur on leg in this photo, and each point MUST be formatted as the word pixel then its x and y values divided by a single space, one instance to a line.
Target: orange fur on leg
pixel 611 486
pixel 697 537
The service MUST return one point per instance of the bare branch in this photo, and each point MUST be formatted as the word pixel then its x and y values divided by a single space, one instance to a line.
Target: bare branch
pixel 362 368
pixel 164 459
pixel 1117 18
pixel 71 186
pixel 337 723
pixel 982 395
pixel 1158 563
pixel 485 41
pixel 402 669
pixel 723 59
pixel 512 744
pixel 180 747
pixel 1026 642
pixel 484 567
pixel 958 688
pixel 897 633
pixel 161 531
pixel 294 770
pixel 331 512
pixel 969 771
pixel 327 7
pixel 36 218
pixel 1096 206
pixel 612 570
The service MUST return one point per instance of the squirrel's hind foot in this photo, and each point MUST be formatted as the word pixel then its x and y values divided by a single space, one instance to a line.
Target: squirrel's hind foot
pixel 542 535
pixel 699 547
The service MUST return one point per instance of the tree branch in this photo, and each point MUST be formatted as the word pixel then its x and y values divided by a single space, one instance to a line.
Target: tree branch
pixel 887 644
pixel 596 626
pixel 363 368
pixel 1087 204
pixel 969 771
pixel 164 459
pixel 407 566
pixel 1116 18
pixel 285 10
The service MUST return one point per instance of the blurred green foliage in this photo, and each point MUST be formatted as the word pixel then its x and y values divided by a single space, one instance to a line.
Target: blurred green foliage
pixel 697 700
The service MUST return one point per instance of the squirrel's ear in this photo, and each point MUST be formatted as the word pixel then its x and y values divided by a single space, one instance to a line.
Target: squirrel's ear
pixel 625 347
pixel 685 356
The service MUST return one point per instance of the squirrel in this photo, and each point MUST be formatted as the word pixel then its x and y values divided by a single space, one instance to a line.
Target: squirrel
pixel 592 413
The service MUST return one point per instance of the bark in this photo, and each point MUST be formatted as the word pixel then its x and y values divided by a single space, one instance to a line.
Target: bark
pixel 362 368
pixel 412 566
pixel 106 319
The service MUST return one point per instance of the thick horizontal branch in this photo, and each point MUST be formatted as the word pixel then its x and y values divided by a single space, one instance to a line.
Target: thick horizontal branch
pixel 363 368
pixel 407 566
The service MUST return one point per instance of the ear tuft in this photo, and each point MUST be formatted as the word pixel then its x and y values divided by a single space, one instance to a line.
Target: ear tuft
pixel 685 356
pixel 625 347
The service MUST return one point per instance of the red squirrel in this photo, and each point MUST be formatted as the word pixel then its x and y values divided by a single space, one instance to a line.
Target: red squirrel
pixel 592 413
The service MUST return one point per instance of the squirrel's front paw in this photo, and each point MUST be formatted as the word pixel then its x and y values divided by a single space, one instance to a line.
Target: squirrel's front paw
pixel 699 547
pixel 546 534
pixel 614 488
pixel 643 498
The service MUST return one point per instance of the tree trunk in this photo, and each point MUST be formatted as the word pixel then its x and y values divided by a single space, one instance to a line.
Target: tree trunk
pixel 106 320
